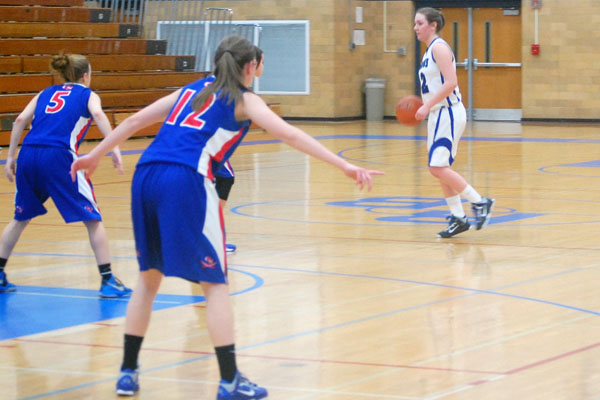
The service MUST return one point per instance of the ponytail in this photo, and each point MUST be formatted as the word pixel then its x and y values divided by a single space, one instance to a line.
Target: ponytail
pixel 233 53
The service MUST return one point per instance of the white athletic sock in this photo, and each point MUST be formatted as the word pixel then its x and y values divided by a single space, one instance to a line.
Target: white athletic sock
pixel 471 194
pixel 455 205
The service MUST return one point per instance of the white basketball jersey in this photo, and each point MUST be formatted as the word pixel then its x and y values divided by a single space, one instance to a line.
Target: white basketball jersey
pixel 432 78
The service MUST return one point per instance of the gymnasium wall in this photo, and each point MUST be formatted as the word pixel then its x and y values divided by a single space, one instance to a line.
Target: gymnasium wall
pixel 562 82
pixel 559 83
pixel 337 74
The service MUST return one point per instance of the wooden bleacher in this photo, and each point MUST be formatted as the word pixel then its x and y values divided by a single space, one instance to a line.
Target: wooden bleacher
pixel 67 30
pixel 10 46
pixel 62 3
pixel 128 72
pixel 53 14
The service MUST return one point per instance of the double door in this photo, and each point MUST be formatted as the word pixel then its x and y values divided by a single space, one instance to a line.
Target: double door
pixel 487 46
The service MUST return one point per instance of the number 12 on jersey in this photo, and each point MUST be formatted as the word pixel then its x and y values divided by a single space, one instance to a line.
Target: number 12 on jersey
pixel 192 120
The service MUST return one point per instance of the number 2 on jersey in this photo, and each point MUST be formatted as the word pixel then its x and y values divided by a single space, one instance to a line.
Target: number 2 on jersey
pixel 424 87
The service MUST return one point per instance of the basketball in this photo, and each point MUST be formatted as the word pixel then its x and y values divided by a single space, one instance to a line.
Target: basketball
pixel 407 108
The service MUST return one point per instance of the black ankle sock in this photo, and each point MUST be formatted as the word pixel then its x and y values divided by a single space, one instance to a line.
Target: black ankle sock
pixel 105 271
pixel 226 359
pixel 132 345
pixel 2 264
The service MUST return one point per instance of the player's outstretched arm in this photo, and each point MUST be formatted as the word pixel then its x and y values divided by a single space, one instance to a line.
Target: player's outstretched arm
pixel 155 112
pixel 256 110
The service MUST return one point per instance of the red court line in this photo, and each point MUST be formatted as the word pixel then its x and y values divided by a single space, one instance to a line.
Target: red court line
pixel 368 364
pixel 104 324
pixel 538 363
pixel 111 183
pixel 548 360
pixel 399 366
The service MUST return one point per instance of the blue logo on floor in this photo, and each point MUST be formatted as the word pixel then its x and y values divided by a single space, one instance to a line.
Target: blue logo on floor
pixel 423 210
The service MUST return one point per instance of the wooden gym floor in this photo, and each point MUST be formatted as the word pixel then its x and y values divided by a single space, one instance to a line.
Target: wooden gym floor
pixel 340 294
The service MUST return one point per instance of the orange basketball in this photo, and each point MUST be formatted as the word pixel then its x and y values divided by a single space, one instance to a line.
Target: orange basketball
pixel 407 108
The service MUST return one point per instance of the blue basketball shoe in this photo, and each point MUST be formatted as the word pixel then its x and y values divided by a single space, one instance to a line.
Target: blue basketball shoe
pixel 5 285
pixel 240 389
pixel 230 248
pixel 113 288
pixel 127 384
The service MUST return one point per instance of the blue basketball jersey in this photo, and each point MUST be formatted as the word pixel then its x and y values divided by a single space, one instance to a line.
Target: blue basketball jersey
pixel 61 117
pixel 204 139
pixel 226 171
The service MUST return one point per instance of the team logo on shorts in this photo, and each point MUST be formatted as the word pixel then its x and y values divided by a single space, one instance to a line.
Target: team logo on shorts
pixel 89 209
pixel 208 262
pixel 18 210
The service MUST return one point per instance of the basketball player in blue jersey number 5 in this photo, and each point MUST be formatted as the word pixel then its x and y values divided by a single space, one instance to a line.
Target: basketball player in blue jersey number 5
pixel 60 117
pixel 177 223
pixel 446 123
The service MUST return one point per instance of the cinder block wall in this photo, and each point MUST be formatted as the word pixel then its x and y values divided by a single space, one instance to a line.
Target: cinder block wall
pixel 562 82
pixel 352 67
pixel 337 73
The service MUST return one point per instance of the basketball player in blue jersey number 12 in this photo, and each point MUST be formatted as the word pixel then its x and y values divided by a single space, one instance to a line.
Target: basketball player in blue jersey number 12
pixel 446 123
pixel 60 117
pixel 177 223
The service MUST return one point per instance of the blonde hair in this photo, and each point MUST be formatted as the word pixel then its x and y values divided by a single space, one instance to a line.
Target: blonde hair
pixel 71 67
pixel 232 54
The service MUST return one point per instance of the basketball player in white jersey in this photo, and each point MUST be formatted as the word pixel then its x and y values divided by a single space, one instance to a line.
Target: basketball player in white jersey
pixel 447 120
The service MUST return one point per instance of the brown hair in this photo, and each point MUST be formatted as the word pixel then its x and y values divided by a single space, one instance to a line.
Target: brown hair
pixel 70 66
pixel 259 54
pixel 433 15
pixel 232 54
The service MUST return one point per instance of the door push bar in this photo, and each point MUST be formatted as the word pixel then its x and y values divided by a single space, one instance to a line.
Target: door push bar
pixel 476 64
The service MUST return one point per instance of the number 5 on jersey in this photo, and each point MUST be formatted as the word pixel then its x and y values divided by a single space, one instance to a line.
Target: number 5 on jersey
pixel 57 102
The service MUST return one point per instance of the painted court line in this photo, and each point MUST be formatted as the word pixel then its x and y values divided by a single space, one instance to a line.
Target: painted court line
pixel 210 383
pixel 264 357
pixel 522 368
pixel 441 285
pixel 95 297
pixel 307 332
pixel 504 339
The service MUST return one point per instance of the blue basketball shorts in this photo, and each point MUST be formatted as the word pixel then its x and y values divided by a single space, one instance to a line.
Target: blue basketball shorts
pixel 445 127
pixel 177 223
pixel 42 172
